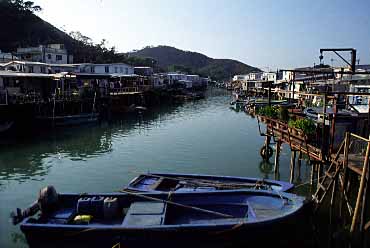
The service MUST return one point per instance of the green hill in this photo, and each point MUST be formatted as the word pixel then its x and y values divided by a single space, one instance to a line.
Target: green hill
pixel 174 59
pixel 22 28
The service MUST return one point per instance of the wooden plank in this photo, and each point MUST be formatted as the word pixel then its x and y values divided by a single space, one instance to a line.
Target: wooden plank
pixel 359 137
pixel 361 189
pixel 355 168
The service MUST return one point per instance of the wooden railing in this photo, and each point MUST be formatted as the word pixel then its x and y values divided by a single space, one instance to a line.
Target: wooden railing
pixel 296 139
pixel 123 90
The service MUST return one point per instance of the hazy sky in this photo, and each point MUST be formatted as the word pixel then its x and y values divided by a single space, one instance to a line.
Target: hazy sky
pixel 274 34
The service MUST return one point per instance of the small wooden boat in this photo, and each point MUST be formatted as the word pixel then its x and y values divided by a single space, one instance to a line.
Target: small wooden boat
pixel 138 220
pixel 68 120
pixel 165 182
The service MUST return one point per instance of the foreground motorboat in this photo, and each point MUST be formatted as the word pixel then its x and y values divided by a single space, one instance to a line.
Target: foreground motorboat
pixel 179 219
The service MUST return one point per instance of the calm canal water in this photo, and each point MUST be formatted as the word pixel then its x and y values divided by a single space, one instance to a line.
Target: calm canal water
pixel 205 136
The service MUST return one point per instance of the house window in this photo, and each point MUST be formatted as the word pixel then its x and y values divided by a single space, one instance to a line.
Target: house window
pixel 31 69
pixel 58 57
pixel 107 69
pixel 115 69
pixel 49 56
pixel 121 69
pixel 126 70
pixel 92 69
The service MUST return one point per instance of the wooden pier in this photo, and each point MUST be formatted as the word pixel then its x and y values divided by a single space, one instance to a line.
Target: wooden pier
pixel 342 178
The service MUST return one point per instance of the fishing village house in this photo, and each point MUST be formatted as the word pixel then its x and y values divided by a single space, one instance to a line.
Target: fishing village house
pixel 159 80
pixel 358 83
pixel 266 79
pixel 6 57
pixel 240 81
pixel 51 54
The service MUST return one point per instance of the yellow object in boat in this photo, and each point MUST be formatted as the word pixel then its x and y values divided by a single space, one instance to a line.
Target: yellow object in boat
pixel 83 218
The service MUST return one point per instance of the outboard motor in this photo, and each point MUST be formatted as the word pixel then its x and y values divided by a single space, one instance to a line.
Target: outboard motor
pixel 46 202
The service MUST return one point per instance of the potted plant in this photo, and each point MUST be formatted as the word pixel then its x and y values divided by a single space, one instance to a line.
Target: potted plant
pixel 266 113
pixel 292 127
pixel 303 127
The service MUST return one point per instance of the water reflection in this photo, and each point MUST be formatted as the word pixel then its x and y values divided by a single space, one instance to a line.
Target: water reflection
pixel 32 157
pixel 266 168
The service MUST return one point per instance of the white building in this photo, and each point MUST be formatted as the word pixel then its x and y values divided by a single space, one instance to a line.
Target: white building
pixel 36 67
pixel 158 80
pixel 173 77
pixel 269 76
pixel 6 57
pixel 50 54
pixel 25 66
pixel 240 78
pixel 117 68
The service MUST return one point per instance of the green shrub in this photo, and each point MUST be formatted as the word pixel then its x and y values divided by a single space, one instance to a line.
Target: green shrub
pixel 268 111
pixel 283 113
pixel 306 125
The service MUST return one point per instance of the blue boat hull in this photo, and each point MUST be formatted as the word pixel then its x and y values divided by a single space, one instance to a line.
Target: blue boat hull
pixel 256 214
pixel 150 183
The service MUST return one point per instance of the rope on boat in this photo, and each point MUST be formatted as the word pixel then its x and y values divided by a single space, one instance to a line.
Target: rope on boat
pixel 178 204
pixel 203 182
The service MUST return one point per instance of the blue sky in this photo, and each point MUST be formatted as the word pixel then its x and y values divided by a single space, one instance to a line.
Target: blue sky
pixel 268 34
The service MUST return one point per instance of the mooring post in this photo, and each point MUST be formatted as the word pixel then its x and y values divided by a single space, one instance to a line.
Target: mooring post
pixel 277 155
pixel 299 163
pixel 292 165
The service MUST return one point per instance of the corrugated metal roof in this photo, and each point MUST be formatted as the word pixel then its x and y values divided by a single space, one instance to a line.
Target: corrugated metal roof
pixel 23 74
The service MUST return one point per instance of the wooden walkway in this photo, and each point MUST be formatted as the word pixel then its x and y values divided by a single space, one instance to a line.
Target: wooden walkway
pixel 352 157
pixel 282 133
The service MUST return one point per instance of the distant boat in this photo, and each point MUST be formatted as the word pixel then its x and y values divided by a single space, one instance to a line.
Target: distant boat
pixel 68 120
pixel 165 182
pixel 159 220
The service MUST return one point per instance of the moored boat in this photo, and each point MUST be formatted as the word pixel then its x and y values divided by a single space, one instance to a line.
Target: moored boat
pixel 68 120
pixel 179 219
pixel 165 182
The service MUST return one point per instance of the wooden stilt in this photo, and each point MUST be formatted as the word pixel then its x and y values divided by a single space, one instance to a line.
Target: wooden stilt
pixel 292 165
pixel 313 169
pixel 360 190
pixel 331 213
pixel 344 182
pixel 318 170
pixel 363 209
pixel 299 165
pixel 277 155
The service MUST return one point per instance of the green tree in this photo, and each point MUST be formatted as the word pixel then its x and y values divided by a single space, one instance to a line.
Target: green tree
pixel 23 5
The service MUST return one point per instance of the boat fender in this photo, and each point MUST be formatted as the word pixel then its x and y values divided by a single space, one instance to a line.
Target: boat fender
pixel 48 199
pixel 266 154
pixel 110 207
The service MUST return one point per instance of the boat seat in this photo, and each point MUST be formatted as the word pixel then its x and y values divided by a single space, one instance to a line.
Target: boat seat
pixel 144 214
